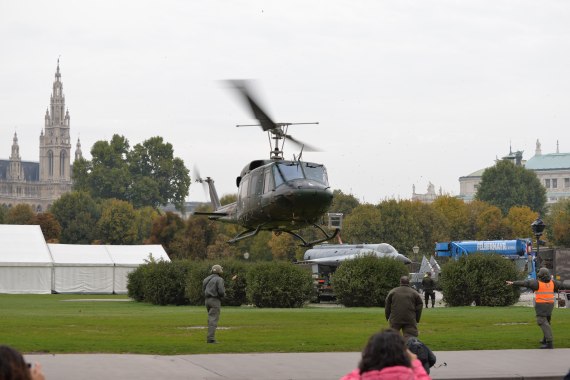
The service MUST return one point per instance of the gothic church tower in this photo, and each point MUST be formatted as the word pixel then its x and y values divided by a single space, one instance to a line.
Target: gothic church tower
pixel 55 144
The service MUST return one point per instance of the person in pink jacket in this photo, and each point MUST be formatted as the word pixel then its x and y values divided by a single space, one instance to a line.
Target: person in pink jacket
pixel 387 357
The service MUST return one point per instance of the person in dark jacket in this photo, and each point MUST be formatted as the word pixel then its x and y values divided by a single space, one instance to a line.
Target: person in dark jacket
pixel 544 294
pixel 404 308
pixel 424 354
pixel 428 284
pixel 213 287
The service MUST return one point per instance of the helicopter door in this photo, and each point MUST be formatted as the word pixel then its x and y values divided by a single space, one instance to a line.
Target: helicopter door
pixel 256 189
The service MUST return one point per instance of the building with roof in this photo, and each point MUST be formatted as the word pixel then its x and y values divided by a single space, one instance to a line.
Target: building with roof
pixel 40 183
pixel 552 169
pixel 428 197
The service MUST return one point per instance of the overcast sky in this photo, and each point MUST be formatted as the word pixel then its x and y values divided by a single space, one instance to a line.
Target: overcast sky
pixel 405 92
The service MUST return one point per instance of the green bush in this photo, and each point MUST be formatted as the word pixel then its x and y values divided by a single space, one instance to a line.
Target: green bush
pixel 278 284
pixel 479 278
pixel 366 281
pixel 234 276
pixel 159 283
pixel 135 283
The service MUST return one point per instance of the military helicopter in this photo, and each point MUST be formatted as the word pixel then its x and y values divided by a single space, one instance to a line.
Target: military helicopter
pixel 275 194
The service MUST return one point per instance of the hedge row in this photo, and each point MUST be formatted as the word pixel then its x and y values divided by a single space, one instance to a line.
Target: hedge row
pixel 364 281
pixel 273 284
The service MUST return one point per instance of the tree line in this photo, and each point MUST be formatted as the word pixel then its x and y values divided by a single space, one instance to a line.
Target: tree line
pixel 117 196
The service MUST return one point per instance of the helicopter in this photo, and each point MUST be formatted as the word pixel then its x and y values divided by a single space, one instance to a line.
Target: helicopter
pixel 275 194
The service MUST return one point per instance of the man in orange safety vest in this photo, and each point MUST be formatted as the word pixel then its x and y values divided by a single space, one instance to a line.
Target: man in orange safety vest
pixel 544 289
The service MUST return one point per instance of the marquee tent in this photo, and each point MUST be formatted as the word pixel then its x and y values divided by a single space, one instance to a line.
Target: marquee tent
pixel 127 258
pixel 81 269
pixel 25 261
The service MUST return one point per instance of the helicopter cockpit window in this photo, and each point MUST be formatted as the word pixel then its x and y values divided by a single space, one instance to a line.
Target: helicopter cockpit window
pixel 316 172
pixel 287 172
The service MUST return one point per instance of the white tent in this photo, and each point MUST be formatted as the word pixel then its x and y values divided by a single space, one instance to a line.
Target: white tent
pixel 25 261
pixel 81 269
pixel 128 257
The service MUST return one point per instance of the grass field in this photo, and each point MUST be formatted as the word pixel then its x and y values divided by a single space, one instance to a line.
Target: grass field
pixel 113 324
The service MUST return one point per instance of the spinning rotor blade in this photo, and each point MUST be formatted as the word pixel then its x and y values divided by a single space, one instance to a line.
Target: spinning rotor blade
pixel 258 112
pixel 266 123
pixel 306 147
pixel 199 179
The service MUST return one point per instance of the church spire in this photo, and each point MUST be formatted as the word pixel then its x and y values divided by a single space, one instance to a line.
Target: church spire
pixel 78 153
pixel 55 144
pixel 15 171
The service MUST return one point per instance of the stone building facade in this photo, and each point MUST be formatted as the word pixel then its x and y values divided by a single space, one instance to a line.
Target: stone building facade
pixel 552 169
pixel 40 183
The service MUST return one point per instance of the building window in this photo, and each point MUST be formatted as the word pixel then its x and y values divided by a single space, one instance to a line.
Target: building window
pixel 62 156
pixel 50 163
pixel 554 183
pixel 547 183
pixel 566 182
pixel 476 186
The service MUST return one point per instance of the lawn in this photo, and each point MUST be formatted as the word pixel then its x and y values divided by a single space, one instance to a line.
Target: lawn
pixel 114 324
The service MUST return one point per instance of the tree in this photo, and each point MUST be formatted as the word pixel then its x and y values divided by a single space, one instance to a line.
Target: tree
pixel 343 203
pixel 519 220
pixel 558 223
pixel 193 240
pixel 506 185
pixel 146 175
pixel 77 213
pixel 363 225
pixel 408 223
pixel 456 215
pixel 153 162
pixel 117 224
pixel 164 229
pixel 144 219
pixel 49 225
pixel 20 214
pixel 491 226
pixel 3 214
pixel 228 198
pixel 283 247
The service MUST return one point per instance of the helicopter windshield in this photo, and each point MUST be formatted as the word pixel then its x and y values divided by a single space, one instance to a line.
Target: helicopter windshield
pixel 316 172
pixel 287 172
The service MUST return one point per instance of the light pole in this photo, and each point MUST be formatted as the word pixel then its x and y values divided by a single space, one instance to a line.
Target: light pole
pixel 537 228
pixel 415 250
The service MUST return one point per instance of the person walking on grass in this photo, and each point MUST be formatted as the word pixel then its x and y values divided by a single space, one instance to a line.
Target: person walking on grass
pixel 544 288
pixel 213 287
pixel 429 289
pixel 403 308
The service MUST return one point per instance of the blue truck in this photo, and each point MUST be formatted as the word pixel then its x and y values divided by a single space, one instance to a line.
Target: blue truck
pixel 518 250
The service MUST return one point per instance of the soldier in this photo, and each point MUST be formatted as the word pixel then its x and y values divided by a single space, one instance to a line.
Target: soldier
pixel 429 289
pixel 213 287
pixel 404 308
pixel 544 289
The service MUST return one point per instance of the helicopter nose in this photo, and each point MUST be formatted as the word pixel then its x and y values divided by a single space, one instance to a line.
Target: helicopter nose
pixel 311 199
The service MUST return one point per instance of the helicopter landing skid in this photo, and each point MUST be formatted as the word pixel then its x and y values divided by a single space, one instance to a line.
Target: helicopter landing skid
pixel 245 234
pixel 310 244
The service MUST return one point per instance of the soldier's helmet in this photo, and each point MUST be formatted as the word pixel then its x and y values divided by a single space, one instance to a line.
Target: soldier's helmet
pixel 217 269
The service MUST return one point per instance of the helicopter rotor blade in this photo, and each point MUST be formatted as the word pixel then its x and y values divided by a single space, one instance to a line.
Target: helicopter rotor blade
pixel 200 180
pixel 257 111
pixel 300 144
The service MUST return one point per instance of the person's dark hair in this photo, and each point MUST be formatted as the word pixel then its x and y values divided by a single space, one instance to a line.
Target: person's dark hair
pixel 12 365
pixel 404 280
pixel 384 349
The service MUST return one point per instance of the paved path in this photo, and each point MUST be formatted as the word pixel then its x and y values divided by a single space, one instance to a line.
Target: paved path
pixel 504 364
